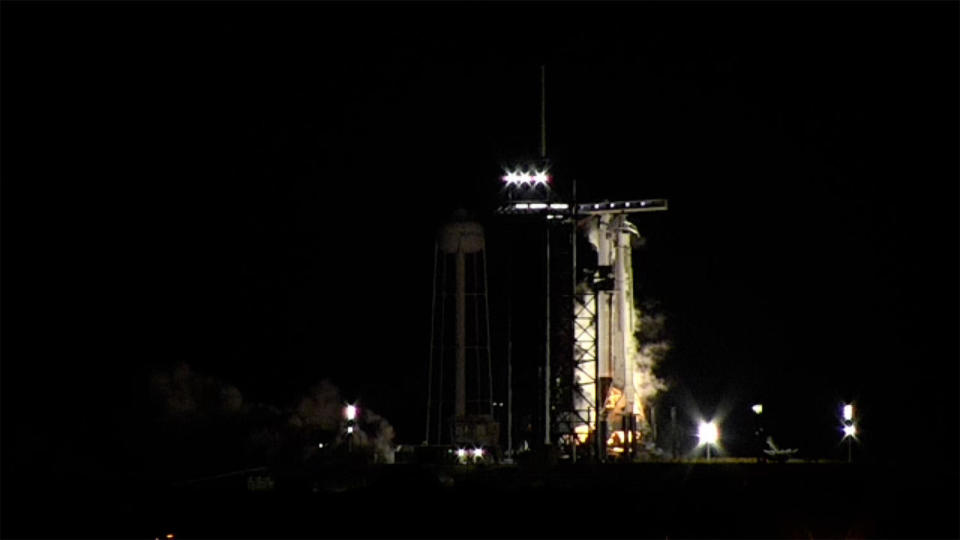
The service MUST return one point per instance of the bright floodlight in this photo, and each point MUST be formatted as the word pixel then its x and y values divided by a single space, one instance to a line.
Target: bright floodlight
pixel 849 431
pixel 512 178
pixel 540 177
pixel 351 412
pixel 349 429
pixel 707 433
pixel 477 452
pixel 758 408
pixel 848 412
pixel 461 452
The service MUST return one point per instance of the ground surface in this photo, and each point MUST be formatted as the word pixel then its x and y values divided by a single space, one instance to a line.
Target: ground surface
pixel 676 500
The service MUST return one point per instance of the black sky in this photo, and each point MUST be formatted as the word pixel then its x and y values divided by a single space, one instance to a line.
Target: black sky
pixel 254 188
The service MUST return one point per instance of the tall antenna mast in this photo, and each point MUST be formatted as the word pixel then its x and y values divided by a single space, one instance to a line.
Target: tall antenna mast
pixel 543 111
pixel 546 363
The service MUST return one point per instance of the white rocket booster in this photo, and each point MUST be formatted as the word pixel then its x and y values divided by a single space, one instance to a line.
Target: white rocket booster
pixel 610 236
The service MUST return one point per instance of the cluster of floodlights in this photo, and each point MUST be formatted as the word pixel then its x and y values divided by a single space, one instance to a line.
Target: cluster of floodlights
pixel 524 177
pixel 463 454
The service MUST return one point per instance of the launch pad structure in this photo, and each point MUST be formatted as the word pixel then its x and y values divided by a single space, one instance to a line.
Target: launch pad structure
pixel 591 381
pixel 592 384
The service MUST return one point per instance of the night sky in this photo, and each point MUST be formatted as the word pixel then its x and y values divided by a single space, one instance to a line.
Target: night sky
pixel 254 189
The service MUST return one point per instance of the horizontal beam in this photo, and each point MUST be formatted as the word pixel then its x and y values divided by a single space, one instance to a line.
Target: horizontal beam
pixel 622 207
pixel 557 210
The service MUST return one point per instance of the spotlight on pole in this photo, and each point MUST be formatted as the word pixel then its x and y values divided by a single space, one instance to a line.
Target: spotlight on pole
pixel 849 430
pixel 350 412
pixel 708 435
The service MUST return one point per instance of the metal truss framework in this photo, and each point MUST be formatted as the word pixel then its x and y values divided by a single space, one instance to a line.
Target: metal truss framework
pixel 584 412
pixel 563 361
pixel 576 391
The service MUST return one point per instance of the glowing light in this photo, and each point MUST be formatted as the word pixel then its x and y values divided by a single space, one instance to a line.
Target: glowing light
pixel 582 431
pixel 615 439
pixel 513 178
pixel 170 536
pixel 477 452
pixel 521 206
pixel 614 396
pixel 351 412
pixel 538 206
pixel 758 408
pixel 540 177
pixel 349 429
pixel 559 206
pixel 848 412
pixel 707 432
pixel 320 445
pixel 849 431
pixel 619 437
pixel 461 452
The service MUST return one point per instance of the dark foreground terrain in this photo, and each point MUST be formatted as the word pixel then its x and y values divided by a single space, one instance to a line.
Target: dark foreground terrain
pixel 645 500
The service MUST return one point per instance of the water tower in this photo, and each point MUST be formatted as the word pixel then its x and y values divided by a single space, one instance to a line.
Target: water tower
pixel 460 379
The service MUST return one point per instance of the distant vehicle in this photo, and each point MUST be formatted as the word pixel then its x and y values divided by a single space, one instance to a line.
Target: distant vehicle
pixel 778 454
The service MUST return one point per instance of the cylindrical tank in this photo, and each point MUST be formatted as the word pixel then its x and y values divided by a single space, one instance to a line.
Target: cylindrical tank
pixel 461 237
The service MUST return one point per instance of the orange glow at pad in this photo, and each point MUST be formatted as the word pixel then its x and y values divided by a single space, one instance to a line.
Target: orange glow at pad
pixel 613 398
pixel 618 438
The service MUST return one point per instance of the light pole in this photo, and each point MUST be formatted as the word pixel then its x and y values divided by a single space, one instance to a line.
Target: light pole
pixel 758 432
pixel 708 434
pixel 849 429
pixel 350 415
